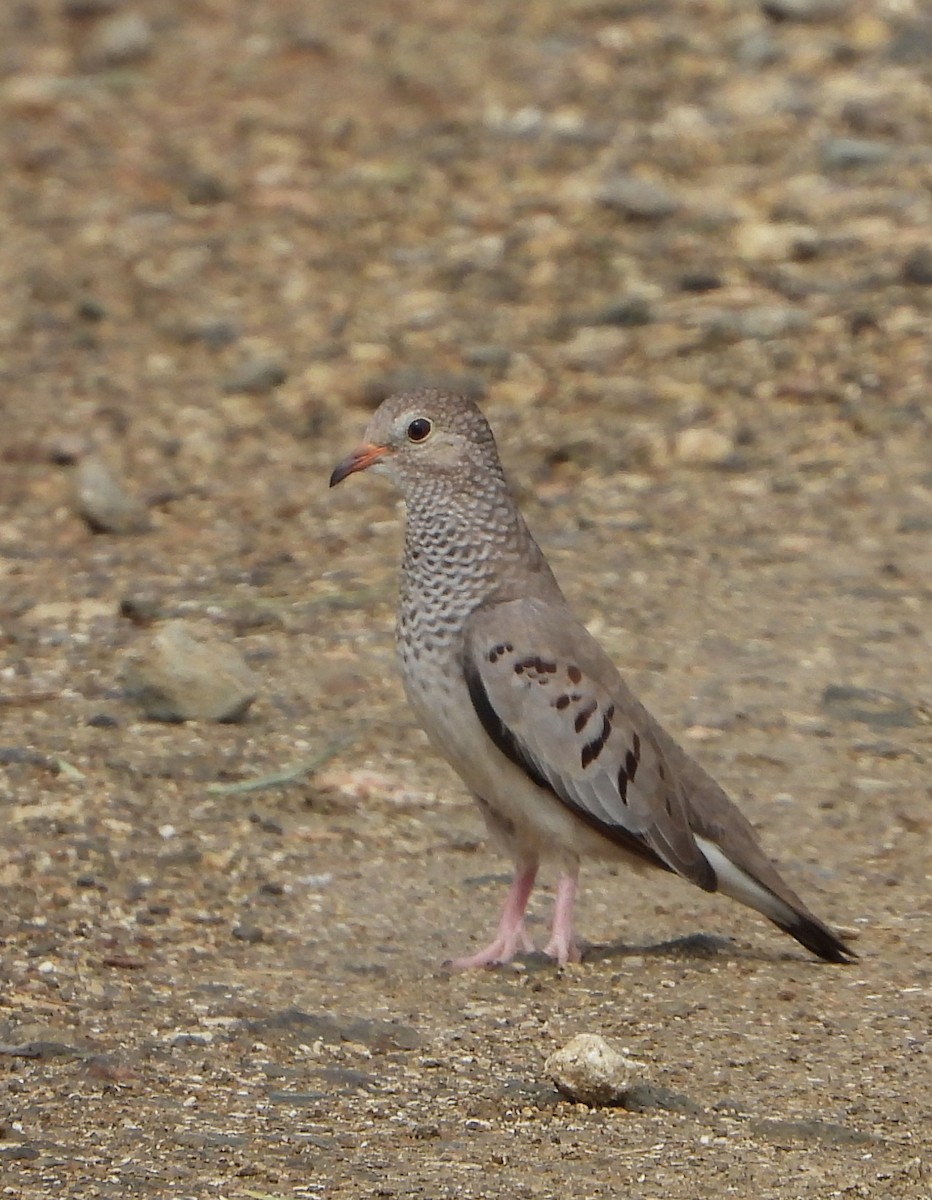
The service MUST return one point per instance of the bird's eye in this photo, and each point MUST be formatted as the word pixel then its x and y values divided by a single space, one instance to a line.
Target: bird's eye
pixel 419 429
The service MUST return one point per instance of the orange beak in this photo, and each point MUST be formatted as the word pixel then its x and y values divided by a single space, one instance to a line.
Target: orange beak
pixel 361 458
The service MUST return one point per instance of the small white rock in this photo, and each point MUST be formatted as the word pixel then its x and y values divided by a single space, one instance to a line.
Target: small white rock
pixel 590 1070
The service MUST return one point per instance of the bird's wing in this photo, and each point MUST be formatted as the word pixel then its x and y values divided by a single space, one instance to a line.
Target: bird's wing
pixel 556 706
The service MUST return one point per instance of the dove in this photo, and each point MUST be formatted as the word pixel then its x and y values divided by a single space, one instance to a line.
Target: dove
pixel 564 762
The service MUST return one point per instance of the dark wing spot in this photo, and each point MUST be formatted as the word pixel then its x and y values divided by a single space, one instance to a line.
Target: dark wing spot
pixel 661 771
pixel 636 745
pixel 561 701
pixel 519 668
pixel 583 716
pixel 610 712
pixel 548 668
pixel 508 647
pixel 668 804
pixel 631 764
pixel 574 674
pixel 493 656
pixel 623 786
pixel 594 748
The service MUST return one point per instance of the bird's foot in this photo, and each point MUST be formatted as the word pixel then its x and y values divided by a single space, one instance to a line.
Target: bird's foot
pixel 501 949
pixel 563 949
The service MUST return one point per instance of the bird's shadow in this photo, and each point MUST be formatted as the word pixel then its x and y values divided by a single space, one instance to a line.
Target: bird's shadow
pixel 692 946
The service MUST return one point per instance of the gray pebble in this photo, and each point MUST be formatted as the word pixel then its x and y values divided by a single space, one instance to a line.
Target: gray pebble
pixel 638 199
pixel 181 677
pixel 762 322
pixel 117 41
pixel 758 49
pixel 842 154
pixel 103 503
pixel 495 357
pixel 256 377
pixel 880 710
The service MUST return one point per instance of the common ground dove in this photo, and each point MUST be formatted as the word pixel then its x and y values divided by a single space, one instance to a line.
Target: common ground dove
pixel 514 692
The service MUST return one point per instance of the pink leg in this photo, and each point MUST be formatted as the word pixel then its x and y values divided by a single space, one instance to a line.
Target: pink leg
pixel 562 945
pixel 511 936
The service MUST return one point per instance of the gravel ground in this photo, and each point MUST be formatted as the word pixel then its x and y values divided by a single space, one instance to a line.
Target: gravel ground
pixel 682 252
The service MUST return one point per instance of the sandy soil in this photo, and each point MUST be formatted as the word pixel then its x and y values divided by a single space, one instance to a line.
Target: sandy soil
pixel 682 253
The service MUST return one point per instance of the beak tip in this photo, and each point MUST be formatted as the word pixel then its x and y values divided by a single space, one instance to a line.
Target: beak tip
pixel 361 458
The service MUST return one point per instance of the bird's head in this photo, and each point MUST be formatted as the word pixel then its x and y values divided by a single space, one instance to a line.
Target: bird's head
pixel 421 434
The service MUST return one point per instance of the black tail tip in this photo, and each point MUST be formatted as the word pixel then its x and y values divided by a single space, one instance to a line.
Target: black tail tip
pixel 820 940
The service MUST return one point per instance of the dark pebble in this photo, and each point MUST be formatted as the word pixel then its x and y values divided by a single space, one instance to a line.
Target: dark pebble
pixel 248 933
pixel 140 609
pixel 861 321
pixel 376 1034
pixel 266 824
pixel 19 1152
pixel 102 721
pixel 644 1097
pixel 880 710
pixel 215 333
pixel 89 309
pixel 803 11
pixel 296 1099
pixel 700 281
pixel 10 755
pixel 917 266
pixel 627 311
pixel 80 10
pixel 189 1039
pixel 204 189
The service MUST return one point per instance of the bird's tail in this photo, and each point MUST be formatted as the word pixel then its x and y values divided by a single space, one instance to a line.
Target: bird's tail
pixel 793 918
